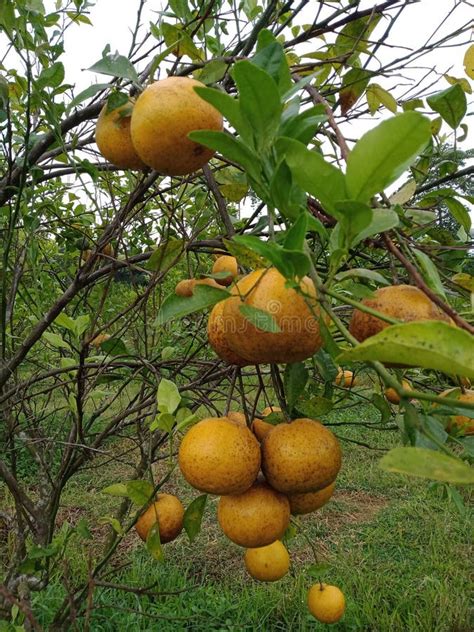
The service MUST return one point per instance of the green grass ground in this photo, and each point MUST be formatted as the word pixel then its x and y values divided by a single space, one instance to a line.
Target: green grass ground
pixel 398 550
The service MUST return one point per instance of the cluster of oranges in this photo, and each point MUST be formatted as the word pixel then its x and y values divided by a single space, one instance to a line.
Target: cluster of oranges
pixel 153 131
pixel 262 475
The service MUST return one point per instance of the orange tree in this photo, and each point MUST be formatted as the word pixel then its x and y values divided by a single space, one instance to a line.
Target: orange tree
pixel 95 346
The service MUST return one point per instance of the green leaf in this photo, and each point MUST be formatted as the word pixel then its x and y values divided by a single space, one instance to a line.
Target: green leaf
pixel 376 95
pixel 294 381
pixel 193 516
pixel 429 464
pixel 89 92
pixel 113 522
pixel 168 396
pixel 163 421
pixel 314 407
pixel 167 353
pixel 259 101
pixel 271 57
pixel 178 306
pixel 244 255
pixel 316 176
pixel 212 72
pixel 165 254
pixel 63 320
pixel 115 65
pixel 139 492
pixel 354 218
pixel 114 347
pixel 52 76
pixel 460 213
pixel 231 148
pixel 228 106
pixel 260 318
pixel 382 220
pixel 295 237
pixel 117 489
pixel 153 543
pixel 451 104
pixel 429 344
pixel 364 273
pixel 430 273
pixel 384 153
pixel 116 100
pixel 81 323
pixel 354 84
pixel 56 341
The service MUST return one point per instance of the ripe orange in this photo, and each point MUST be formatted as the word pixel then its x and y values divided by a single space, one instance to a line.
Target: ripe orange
pixel 299 335
pixel 255 518
pixel 463 422
pixel 112 135
pixel 238 417
pixel 260 427
pixel 267 563
pixel 392 395
pixel 228 264
pixel 326 603
pixel 99 339
pixel 216 335
pixel 302 456
pixel 345 379
pixel 219 456
pixel 163 116
pixel 404 302
pixel 310 501
pixel 169 512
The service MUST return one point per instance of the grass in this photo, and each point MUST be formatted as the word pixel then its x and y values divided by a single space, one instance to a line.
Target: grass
pixel 398 550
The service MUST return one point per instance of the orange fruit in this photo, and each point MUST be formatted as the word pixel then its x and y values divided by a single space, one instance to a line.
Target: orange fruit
pixel 228 264
pixel 302 456
pixel 219 456
pixel 392 395
pixel 403 302
pixel 267 563
pixel 168 511
pixel 112 135
pixel 299 335
pixel 185 287
pixel 99 339
pixel 255 518
pixel 163 116
pixel 270 409
pixel 260 427
pixel 326 603
pixel 238 417
pixel 217 337
pixel 345 379
pixel 462 422
pixel 310 501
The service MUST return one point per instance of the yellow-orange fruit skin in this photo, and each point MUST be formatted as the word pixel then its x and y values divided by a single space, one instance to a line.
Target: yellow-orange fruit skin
pixel 299 337
pixel 326 603
pixel 391 394
pixel 267 563
pixel 464 423
pixel 302 456
pixel 260 428
pixel 219 456
pixel 170 514
pixel 257 517
pixel 163 116
pixel 238 417
pixel 112 135
pixel 99 339
pixel 310 501
pixel 228 264
pixel 185 287
pixel 270 409
pixel 345 379
pixel 217 337
pixel 403 302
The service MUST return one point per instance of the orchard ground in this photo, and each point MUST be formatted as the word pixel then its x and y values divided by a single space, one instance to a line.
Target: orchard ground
pixel 397 548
